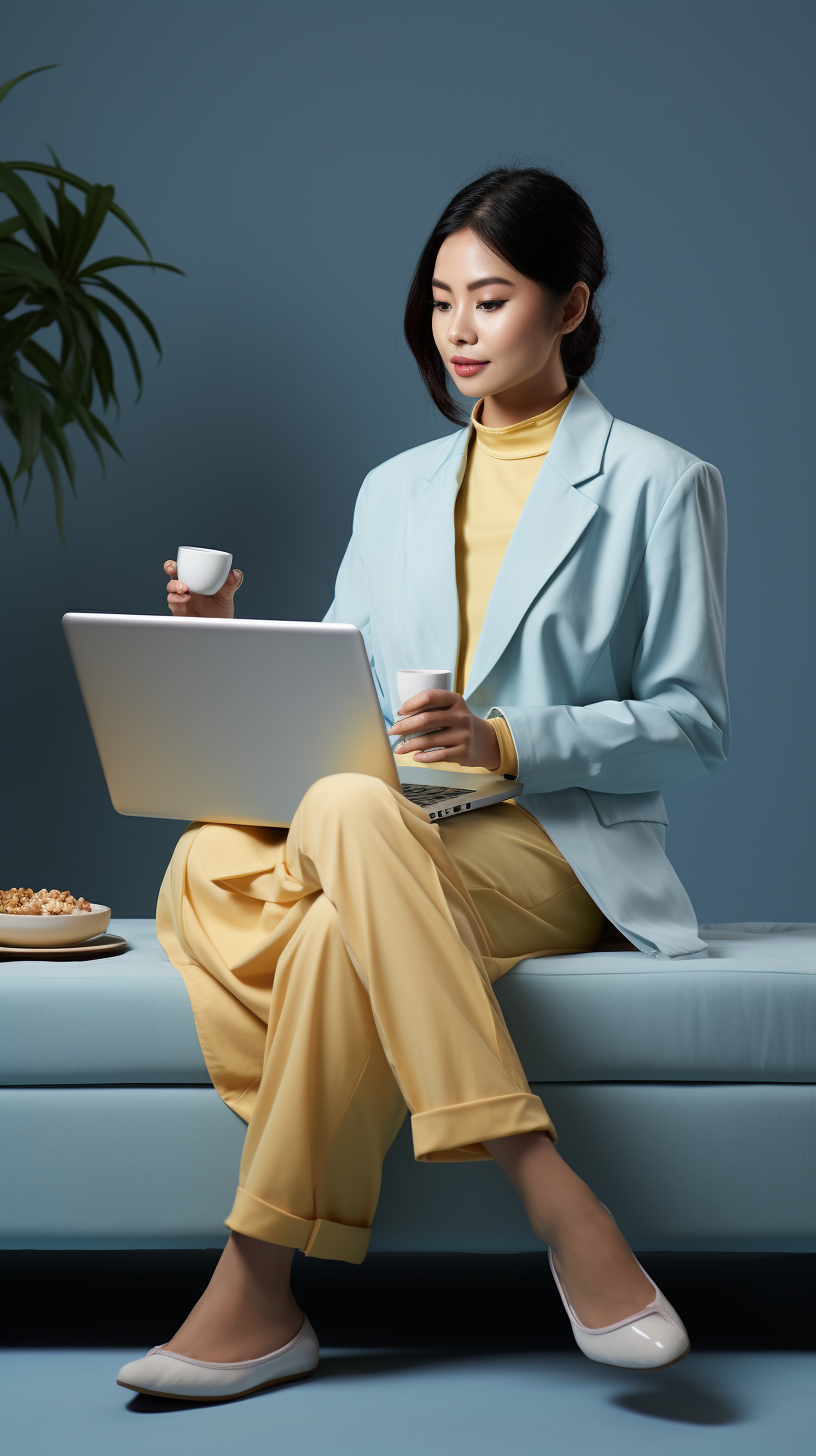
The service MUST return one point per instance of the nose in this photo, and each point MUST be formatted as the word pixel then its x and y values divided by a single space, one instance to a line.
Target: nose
pixel 460 329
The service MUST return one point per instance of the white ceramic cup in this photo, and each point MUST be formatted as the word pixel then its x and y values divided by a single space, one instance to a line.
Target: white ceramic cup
pixel 411 681
pixel 203 571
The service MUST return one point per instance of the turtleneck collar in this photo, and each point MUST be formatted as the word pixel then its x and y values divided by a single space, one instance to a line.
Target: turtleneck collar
pixel 521 441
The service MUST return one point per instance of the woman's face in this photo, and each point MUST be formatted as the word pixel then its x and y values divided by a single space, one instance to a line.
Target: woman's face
pixel 499 332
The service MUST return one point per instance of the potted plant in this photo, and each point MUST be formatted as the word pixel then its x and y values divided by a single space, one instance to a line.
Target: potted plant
pixel 45 281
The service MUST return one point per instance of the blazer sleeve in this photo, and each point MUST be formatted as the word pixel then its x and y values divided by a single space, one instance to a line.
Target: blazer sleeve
pixel 676 723
pixel 351 599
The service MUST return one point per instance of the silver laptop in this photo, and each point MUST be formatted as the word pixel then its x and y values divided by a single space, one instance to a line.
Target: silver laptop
pixel 230 722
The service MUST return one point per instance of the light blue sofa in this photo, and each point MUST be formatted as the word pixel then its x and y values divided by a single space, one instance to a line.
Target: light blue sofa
pixel 682 1090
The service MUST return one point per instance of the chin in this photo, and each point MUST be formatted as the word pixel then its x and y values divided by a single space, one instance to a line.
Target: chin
pixel 470 388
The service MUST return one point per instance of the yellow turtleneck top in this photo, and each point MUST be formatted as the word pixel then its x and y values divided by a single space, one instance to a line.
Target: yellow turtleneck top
pixel 500 472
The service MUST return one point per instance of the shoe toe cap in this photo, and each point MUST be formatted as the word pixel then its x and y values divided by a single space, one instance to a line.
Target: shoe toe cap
pixel 152 1372
pixel 647 1343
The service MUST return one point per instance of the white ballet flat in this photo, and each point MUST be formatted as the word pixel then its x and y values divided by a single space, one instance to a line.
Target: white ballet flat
pixel 649 1340
pixel 178 1377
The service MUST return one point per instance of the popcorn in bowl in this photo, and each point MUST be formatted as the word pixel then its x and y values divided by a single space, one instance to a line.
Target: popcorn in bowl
pixel 41 902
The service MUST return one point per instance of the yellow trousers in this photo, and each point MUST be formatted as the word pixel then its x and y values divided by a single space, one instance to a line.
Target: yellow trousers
pixel 341 972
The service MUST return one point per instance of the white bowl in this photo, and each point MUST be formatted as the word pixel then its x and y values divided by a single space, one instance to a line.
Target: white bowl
pixel 42 931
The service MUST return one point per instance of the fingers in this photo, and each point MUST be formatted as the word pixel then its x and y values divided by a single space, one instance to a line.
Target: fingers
pixel 440 720
pixel 431 722
pixel 441 755
pixel 178 597
pixel 231 585
pixel 410 725
pixel 443 729
pixel 455 742
pixel 177 593
pixel 435 698
pixel 439 712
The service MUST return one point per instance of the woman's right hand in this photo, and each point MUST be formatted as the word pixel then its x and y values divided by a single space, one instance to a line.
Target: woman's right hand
pixel 184 603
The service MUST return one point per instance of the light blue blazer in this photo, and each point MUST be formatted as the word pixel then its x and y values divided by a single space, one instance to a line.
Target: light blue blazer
pixel 603 645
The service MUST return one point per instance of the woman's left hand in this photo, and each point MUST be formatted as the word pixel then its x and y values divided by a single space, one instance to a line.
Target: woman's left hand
pixel 455 735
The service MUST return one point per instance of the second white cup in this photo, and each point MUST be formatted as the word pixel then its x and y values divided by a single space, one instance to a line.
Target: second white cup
pixel 413 680
pixel 202 570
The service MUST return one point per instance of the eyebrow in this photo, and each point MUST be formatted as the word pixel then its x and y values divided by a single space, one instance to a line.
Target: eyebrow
pixel 480 283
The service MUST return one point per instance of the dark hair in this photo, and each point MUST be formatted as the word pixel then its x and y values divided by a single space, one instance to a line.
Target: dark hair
pixel 543 228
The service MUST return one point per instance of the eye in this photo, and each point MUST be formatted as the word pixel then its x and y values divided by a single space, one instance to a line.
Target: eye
pixel 440 303
pixel 491 304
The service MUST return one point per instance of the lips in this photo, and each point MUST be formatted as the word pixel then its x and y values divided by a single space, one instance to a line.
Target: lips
pixel 466 367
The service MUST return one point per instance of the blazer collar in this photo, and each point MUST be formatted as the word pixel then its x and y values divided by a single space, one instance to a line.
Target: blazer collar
pixel 554 517
pixel 577 451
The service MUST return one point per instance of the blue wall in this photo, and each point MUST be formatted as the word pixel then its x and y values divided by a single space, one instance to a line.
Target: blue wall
pixel 291 158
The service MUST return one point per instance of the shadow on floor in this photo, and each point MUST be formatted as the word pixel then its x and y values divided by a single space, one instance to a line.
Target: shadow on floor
pixel 675 1398
pixel 686 1403
pixel 405 1302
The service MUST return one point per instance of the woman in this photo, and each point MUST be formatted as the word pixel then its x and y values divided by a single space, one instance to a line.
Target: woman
pixel 571 569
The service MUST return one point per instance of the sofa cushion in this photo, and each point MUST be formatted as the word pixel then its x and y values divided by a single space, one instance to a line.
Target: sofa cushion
pixel 746 1014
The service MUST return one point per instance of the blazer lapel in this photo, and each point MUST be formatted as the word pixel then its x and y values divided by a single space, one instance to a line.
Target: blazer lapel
pixel 553 519
pixel 431 547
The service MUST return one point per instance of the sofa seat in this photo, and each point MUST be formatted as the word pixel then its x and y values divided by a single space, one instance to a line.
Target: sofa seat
pixel 747 1014
pixel 662 1077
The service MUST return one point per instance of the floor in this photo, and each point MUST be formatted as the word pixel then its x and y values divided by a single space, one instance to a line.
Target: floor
pixel 485 1363
pixel 64 1403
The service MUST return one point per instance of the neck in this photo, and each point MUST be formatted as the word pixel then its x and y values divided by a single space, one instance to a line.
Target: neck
pixel 523 401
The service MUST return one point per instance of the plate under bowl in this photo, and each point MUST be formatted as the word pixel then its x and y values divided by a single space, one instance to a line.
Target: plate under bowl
pixel 48 930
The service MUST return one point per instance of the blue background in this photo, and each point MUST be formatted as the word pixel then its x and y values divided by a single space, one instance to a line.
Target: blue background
pixel 291 159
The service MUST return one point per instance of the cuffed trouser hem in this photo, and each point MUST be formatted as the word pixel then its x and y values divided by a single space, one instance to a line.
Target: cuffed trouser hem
pixel 456 1134
pixel 315 1236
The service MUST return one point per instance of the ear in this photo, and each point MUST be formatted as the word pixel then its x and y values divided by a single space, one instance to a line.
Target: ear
pixel 574 307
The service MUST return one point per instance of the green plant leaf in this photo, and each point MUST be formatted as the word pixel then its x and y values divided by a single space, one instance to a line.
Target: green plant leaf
pixel 102 430
pixel 9 489
pixel 67 230
pixel 11 225
pixel 102 370
pixel 28 207
pixel 52 466
pixel 11 295
pixel 44 170
pixel 16 258
pixel 28 403
pixel 11 285
pixel 117 262
pixel 59 439
pixel 64 396
pixel 14 334
pixel 89 427
pixel 97 351
pixel 97 206
pixel 125 299
pixel 4 90
pixel 43 267
pixel 66 323
pixel 47 365
pixel 75 357
pixel 117 322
